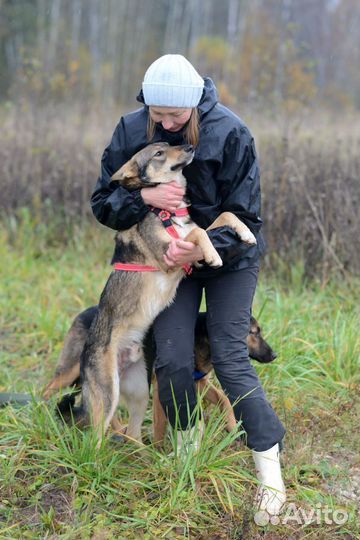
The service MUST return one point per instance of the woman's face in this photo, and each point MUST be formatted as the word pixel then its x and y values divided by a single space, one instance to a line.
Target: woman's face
pixel 171 118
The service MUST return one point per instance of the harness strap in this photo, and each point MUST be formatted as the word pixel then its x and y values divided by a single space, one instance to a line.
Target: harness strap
pixel 130 267
pixel 165 217
pixel 180 212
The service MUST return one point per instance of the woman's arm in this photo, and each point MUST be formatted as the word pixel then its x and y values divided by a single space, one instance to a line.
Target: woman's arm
pixel 115 206
pixel 239 188
pixel 112 204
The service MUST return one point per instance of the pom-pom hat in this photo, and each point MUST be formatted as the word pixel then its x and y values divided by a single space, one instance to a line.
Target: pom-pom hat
pixel 171 81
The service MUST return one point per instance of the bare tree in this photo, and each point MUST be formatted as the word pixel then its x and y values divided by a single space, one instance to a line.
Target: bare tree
pixel 52 40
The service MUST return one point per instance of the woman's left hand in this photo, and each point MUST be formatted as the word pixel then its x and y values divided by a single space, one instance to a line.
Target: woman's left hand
pixel 180 252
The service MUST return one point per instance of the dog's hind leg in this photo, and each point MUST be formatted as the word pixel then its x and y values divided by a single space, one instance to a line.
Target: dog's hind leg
pixel 68 366
pixel 159 417
pixel 100 390
pixel 117 427
pixel 134 391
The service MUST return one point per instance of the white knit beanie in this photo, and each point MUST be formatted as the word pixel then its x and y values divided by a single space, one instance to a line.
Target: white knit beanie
pixel 171 81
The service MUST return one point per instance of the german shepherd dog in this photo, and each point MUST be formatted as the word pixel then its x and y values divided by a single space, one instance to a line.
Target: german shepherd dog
pixel 131 300
pixel 134 391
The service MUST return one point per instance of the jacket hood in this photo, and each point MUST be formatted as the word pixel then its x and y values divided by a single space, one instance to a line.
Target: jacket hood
pixel 208 99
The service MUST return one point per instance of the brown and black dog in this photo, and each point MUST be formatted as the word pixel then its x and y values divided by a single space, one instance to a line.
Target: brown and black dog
pixel 111 360
pixel 135 396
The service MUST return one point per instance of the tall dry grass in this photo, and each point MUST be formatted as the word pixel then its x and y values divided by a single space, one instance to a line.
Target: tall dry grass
pixel 311 198
pixel 51 155
pixel 50 158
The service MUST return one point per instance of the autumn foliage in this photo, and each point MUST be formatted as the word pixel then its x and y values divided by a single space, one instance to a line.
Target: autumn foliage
pixel 280 55
pixel 289 68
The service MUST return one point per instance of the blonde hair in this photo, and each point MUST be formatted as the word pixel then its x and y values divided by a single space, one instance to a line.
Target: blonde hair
pixel 191 134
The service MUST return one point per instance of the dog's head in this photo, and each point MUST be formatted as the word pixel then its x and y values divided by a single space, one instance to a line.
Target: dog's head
pixel 157 163
pixel 259 349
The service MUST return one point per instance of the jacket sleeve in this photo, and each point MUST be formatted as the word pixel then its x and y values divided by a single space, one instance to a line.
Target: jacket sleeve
pixel 239 192
pixel 112 204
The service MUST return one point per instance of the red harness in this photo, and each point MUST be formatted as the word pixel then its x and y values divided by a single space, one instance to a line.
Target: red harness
pixel 165 217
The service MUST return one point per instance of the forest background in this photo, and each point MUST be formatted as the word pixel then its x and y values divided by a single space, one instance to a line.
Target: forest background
pixel 289 68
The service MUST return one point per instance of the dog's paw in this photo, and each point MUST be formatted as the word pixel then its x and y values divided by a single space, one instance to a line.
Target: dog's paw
pixel 248 238
pixel 214 261
pixel 117 438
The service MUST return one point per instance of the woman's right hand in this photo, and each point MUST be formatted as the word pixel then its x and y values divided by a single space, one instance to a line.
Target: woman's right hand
pixel 165 196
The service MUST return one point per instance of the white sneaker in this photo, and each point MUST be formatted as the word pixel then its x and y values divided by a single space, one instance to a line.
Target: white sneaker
pixel 271 494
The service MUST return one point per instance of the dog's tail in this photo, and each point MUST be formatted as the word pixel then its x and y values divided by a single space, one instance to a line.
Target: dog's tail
pixel 69 412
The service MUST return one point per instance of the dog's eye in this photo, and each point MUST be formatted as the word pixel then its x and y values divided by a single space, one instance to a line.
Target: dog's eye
pixel 159 153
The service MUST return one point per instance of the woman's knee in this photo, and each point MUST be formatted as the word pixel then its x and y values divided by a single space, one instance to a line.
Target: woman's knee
pixel 228 343
pixel 239 380
pixel 174 364
pixel 174 348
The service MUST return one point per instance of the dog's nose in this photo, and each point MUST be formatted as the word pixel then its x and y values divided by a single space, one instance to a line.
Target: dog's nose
pixel 273 355
pixel 189 148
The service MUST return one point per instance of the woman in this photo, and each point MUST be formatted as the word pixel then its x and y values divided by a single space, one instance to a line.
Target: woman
pixel 182 107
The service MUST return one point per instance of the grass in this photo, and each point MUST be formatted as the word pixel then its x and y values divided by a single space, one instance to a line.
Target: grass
pixel 56 484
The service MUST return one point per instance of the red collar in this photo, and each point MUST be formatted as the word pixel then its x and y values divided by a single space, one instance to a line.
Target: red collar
pixel 165 215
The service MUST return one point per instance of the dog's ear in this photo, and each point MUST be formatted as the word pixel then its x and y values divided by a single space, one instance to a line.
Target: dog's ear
pixel 126 173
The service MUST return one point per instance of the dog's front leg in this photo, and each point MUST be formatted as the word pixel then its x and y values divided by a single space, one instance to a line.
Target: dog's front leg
pixel 200 238
pixel 218 397
pixel 229 219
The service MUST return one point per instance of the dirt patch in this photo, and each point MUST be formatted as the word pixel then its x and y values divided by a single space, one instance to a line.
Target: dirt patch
pixel 54 506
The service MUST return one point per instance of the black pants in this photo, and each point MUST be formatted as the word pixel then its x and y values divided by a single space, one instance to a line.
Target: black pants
pixel 229 299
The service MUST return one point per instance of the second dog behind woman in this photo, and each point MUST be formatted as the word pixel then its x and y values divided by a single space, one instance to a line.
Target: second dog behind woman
pixel 179 107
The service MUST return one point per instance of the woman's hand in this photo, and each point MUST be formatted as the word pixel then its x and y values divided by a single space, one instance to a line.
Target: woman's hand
pixel 180 252
pixel 164 196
